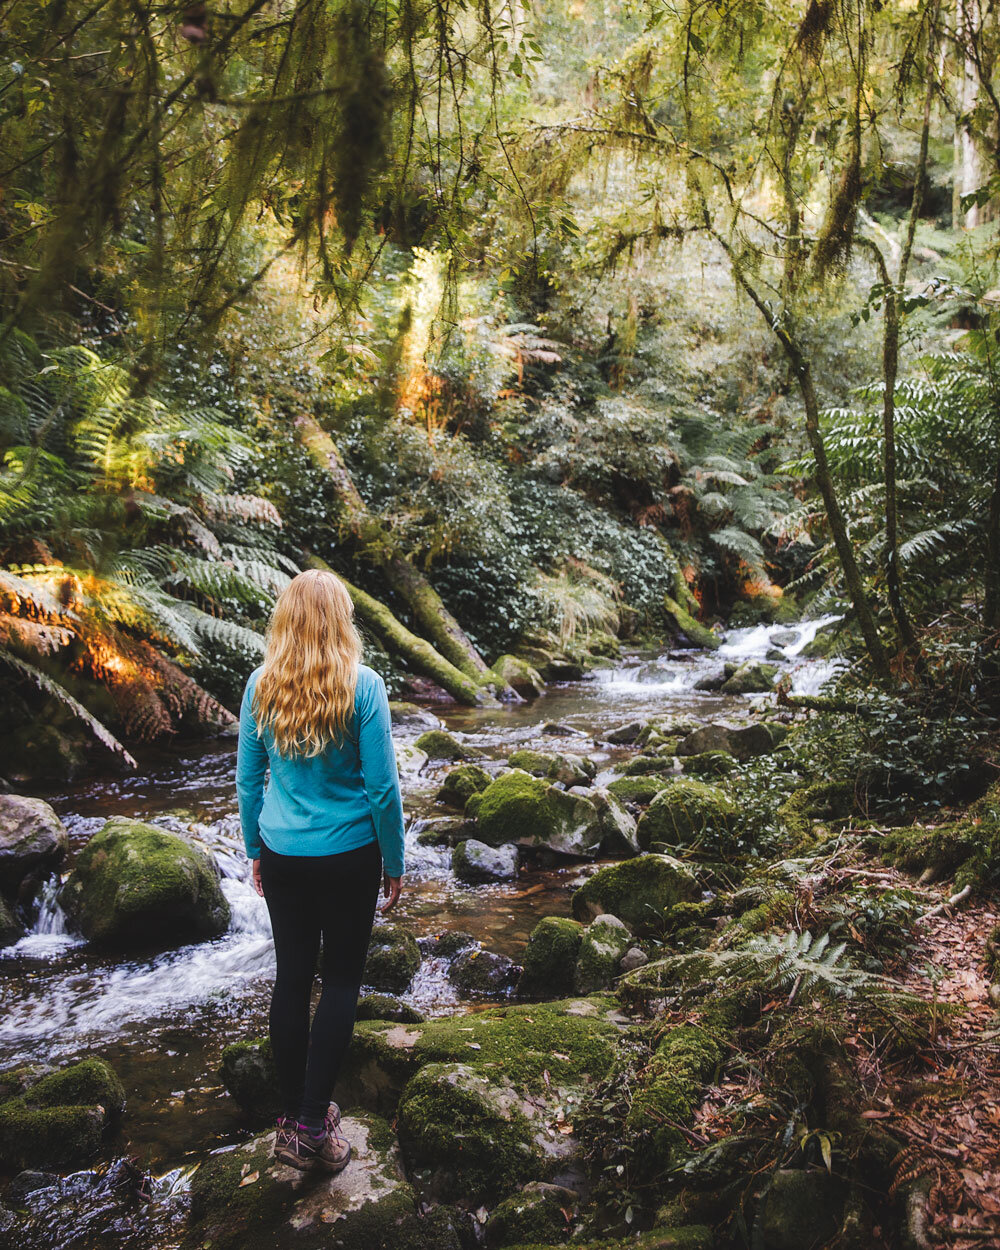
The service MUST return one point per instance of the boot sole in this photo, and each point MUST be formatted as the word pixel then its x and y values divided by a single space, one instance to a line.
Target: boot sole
pixel 308 1165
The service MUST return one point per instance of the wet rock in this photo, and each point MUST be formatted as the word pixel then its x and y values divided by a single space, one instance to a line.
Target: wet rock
pixel 689 813
pixel 248 1073
pixel 461 782
pixel 752 740
pixel 385 1007
pixel 412 716
pixel 800 1209
pixel 566 769
pixel 706 738
pixel 624 734
pixel 60 1120
pixel 441 745
pixel 29 1182
pixel 521 675
pixel 636 891
pixel 563 668
pixel 605 940
pixel 558 729
pixel 244 1199
pixel 632 959
pixel 710 682
pixel 774 655
pixel 524 809
pixel 480 972
pixel 393 958
pixel 550 957
pixel 784 637
pixel 446 945
pixel 709 764
pixel 618 826
pixel 409 758
pixel 33 843
pixel 10 927
pixel 752 678
pixel 638 790
pixel 136 885
pixel 535 1215
pixel 14 1081
pixel 442 831
pixel 642 765
pixel 475 1135
pixel 475 863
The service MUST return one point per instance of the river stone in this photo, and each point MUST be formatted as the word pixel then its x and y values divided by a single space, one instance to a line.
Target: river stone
pixel 566 769
pixel 33 842
pixel 135 885
pixel 709 764
pixel 637 891
pixel 618 825
pixel 478 972
pixel 632 959
pixel 60 1120
pixel 638 790
pixel 751 740
pixel 412 716
pixel 445 945
pixel 462 782
pixel 244 1199
pixel 799 1210
pixel 249 1075
pixel 521 675
pixel 688 813
pixel 10 927
pixel 538 1213
pixel 605 940
pixel 751 678
pixel 475 863
pixel 409 758
pixel 550 957
pixel 624 734
pixel 393 958
pixel 707 738
pixel 442 831
pixel 385 1007
pixel 441 745
pixel 784 637
pixel 524 809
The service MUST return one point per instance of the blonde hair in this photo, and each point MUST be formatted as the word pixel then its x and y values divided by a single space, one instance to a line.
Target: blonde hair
pixel 305 694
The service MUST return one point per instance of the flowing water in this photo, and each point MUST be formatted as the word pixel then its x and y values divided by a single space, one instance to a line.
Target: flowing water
pixel 163 1019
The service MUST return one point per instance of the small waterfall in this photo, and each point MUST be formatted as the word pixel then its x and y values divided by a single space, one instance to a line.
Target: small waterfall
pixel 49 937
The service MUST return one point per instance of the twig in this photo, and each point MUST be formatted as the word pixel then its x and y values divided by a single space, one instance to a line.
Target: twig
pixel 954 901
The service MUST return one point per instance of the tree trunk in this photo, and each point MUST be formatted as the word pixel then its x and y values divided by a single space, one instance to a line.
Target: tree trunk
pixel 419 653
pixel 969 174
pixel 449 639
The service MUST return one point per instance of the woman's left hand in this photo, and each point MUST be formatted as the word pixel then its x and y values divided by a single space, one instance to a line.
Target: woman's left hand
pixel 255 873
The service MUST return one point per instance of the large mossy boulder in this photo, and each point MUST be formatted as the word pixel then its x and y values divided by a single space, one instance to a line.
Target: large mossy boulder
pixel 750 678
pixel 242 1198
pixel 33 842
pixel 478 973
pixel 637 791
pixel 134 885
pixel 705 738
pixel 537 1213
pixel 800 1209
pixel 386 1007
pixel 248 1073
pixel 527 810
pixel 393 959
pixel 521 675
pixel 59 1120
pixel 475 863
pixel 550 957
pixel 689 813
pixel 460 783
pixel 637 891
pixel 568 770
pixel 605 940
pixel 441 745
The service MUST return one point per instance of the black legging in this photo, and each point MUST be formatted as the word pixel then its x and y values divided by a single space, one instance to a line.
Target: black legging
pixel 309 895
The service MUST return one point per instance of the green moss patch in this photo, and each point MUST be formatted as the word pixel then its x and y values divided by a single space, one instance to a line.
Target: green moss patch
pixel 462 782
pixel 550 957
pixel 689 813
pixel 441 745
pixel 60 1119
pixel 527 810
pixel 637 791
pixel 636 891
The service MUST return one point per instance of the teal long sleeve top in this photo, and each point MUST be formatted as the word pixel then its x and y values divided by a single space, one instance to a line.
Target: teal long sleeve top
pixel 343 798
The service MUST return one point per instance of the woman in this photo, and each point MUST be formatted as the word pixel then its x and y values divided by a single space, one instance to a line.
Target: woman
pixel 318 838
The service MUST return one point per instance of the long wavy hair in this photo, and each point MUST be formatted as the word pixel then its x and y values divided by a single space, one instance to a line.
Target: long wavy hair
pixel 305 694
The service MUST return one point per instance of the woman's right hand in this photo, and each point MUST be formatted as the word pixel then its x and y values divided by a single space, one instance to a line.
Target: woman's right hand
pixel 391 887
pixel 255 874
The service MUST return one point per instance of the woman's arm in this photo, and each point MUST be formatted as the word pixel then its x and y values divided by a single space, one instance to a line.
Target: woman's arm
pixel 378 765
pixel 251 768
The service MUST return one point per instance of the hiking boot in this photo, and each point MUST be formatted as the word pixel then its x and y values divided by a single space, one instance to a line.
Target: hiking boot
pixel 332 1117
pixel 284 1133
pixel 328 1151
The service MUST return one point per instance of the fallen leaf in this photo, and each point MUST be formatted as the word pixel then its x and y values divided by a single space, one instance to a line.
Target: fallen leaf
pixel 249 1180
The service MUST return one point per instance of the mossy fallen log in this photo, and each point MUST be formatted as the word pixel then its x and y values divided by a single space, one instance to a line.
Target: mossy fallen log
pixel 689 627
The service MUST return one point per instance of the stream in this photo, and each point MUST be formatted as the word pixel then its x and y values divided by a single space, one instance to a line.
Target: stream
pixel 163 1020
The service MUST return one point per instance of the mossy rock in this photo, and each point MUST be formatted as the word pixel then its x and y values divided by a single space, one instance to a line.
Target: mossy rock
pixel 573 1040
pixel 385 1007
pixel 462 782
pixel 446 945
pixel 475 863
pixel 479 973
pixel 605 940
pixel 641 765
pixel 33 842
pixel 473 803
pixel 521 674
pixel 638 791
pixel 749 741
pixel 443 831
pixel 636 891
pixel 520 808
pixel 393 959
pixel 689 813
pixel 412 715
pixel 441 745
pixel 568 770
pixel 709 764
pixel 60 1120
pixel 706 738
pixel 751 678
pixel 536 1213
pixel 244 1199
pixel 689 1237
pixel 800 1209
pixel 550 957
pixel 618 826
pixel 671 1090
pixel 248 1073
pixel 10 926
pixel 134 885
pixel 624 734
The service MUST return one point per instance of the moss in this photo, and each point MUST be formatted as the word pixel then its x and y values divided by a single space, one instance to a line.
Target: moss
pixel 697 633
pixel 59 1120
pixel 447 945
pixel 642 765
pixel 671 1086
pixel 709 764
pixel 10 927
pixel 752 678
pixel 605 941
pixel 385 1007
pixel 775 911
pixel 969 848
pixel 637 790
pixel 689 813
pixel 833 797
pixel 524 809
pixel 248 1073
pixel 693 1237
pixel 91 1080
pixel 550 957
pixel 134 885
pixel 521 674
pixel 684 915
pixel 562 768
pixel 441 745
pixel 536 1213
pixel 537 763
pixel 461 783
pixel 469 1130
pixel 393 958
pixel 636 891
